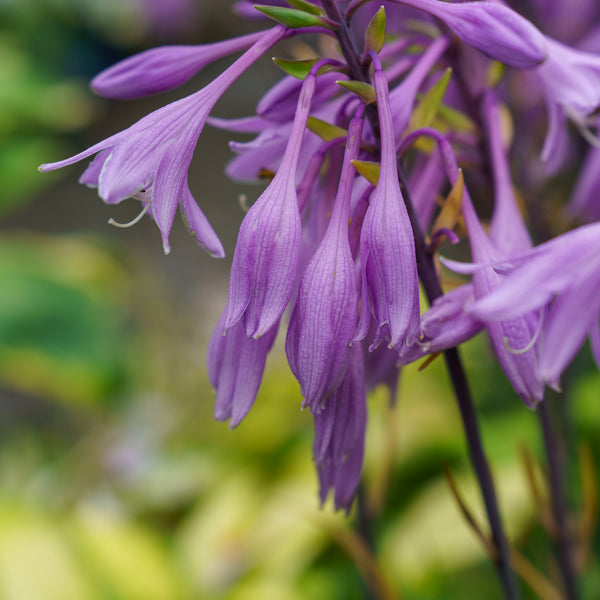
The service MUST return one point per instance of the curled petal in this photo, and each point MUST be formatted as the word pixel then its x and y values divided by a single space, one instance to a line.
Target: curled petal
pixel 198 224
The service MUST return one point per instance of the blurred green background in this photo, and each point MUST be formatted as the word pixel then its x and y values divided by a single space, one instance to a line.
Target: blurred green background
pixel 115 482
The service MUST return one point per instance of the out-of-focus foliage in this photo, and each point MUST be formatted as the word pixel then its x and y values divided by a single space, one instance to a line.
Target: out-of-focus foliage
pixel 62 330
pixel 33 106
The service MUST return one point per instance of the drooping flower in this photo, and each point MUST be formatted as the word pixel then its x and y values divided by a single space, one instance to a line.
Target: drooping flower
pixel 164 68
pixel 152 156
pixel 562 278
pixel 491 27
pixel 235 365
pixel 387 249
pixel 323 322
pixel 266 254
pixel 340 435
pixel 514 340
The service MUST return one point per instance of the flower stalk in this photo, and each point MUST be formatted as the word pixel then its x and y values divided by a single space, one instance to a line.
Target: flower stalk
pixel 564 537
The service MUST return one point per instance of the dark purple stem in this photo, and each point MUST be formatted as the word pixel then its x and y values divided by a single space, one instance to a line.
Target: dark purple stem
pixel 564 539
pixel 431 284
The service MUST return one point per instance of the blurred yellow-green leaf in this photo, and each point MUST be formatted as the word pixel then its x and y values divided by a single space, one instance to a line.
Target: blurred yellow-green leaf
pixel 61 332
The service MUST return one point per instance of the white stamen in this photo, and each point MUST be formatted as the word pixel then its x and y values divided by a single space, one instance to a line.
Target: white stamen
pixel 533 340
pixel 111 221
pixel 590 137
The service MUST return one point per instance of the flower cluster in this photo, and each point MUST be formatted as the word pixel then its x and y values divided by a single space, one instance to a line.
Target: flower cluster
pixel 378 154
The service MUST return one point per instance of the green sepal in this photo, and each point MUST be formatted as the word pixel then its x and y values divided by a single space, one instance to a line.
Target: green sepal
pixel 369 170
pixel 296 68
pixel 294 19
pixel 375 34
pixel 301 68
pixel 455 119
pixel 495 73
pixel 326 131
pixel 430 103
pixel 365 91
pixel 308 7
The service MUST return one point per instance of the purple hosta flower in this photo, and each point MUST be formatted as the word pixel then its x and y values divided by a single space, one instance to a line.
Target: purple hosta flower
pixel 494 29
pixel 387 248
pixel 164 68
pixel 266 255
pixel 324 319
pixel 515 340
pixel 235 365
pixel 562 278
pixel 340 435
pixel 571 85
pixel 152 156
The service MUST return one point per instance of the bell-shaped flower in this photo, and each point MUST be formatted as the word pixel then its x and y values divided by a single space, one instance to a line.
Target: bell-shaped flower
pixel 323 322
pixel 515 341
pixel 390 287
pixel 340 435
pixel 263 272
pixel 560 279
pixel 164 68
pixel 491 27
pixel 235 366
pixel 152 156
